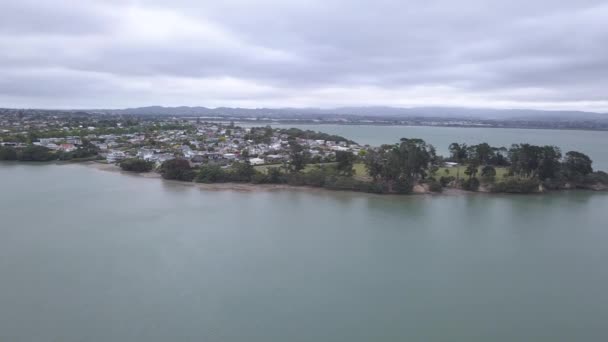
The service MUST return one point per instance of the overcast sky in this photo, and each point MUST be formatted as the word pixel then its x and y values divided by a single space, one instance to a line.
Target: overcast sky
pixel 304 53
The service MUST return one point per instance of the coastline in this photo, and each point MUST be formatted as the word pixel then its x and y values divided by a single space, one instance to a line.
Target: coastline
pixel 250 187
pixel 239 187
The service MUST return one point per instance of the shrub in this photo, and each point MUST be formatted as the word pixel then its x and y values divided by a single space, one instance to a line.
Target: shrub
pixel 435 186
pixel 211 174
pixel 340 183
pixel 445 181
pixel 488 174
pixel 471 184
pixel 403 186
pixel 596 177
pixel 136 165
pixel 275 176
pixel 240 172
pixel 8 153
pixel 177 169
pixel 517 185
pixel 36 153
pixel 260 178
pixel 375 188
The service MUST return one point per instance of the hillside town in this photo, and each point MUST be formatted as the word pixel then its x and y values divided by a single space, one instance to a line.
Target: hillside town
pixel 115 138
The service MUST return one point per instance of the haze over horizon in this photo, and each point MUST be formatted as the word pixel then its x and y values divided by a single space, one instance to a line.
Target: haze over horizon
pixel 324 54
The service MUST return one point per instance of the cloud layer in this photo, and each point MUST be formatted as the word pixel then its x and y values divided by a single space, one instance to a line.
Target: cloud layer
pixel 114 53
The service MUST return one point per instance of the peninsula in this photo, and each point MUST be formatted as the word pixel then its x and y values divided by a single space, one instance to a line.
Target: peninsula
pixel 195 150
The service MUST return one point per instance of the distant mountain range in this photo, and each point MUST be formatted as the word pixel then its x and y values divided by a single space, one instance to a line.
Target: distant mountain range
pixel 371 112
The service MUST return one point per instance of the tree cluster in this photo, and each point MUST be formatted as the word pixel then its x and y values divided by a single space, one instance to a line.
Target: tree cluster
pixel 136 165
pixel 398 167
pixel 528 165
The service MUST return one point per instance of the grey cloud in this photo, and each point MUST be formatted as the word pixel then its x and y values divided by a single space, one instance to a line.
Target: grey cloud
pixel 313 51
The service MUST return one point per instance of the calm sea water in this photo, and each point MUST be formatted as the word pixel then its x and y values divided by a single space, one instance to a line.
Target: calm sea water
pixel 593 143
pixel 88 255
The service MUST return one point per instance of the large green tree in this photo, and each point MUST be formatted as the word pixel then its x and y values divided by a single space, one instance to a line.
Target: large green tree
pixel 401 165
pixel 136 165
pixel 36 153
pixel 177 169
pixel 8 153
pixel 298 157
pixel 345 161
pixel 577 164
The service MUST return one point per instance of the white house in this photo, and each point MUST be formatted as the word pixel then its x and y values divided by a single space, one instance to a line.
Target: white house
pixel 256 161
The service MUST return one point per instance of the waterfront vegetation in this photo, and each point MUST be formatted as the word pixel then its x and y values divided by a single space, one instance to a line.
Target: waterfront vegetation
pixel 195 151
pixel 136 165
pixel 411 164
pixel 36 153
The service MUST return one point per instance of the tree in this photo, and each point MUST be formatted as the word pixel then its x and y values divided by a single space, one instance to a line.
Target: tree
pixel 275 175
pixel 211 174
pixel 458 152
pixel 498 157
pixel 534 161
pixel 177 169
pixel 481 153
pixel 8 153
pixel 345 162
pixel 471 169
pixel 577 164
pixel 136 165
pixel 488 173
pixel 549 162
pixel 374 163
pixel 298 157
pixel 471 184
pixel 36 153
pixel 399 166
pixel 241 172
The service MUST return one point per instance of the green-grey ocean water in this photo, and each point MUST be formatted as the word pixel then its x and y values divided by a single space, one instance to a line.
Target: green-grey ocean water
pixel 89 255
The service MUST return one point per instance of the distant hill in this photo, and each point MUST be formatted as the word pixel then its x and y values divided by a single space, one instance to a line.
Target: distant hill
pixel 375 112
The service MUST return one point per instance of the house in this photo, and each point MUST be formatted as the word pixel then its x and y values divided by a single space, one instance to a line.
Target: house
pixel 101 146
pixel 274 158
pixel 145 154
pixel 256 161
pixel 199 159
pixel 73 140
pixel 187 151
pixel 116 156
pixel 66 147
pixel 340 148
pixel 51 146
